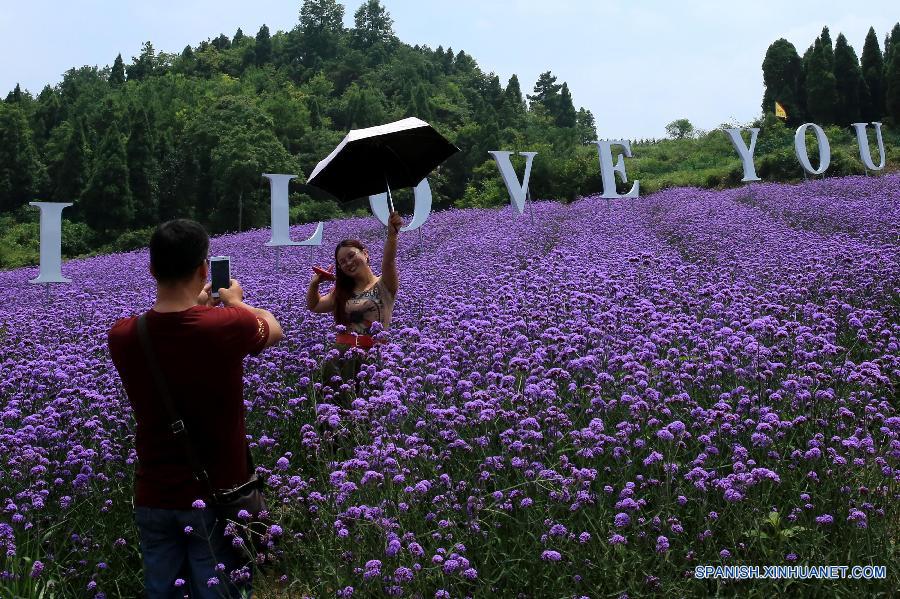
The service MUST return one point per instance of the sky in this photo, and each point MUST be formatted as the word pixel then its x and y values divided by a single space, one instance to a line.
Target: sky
pixel 635 65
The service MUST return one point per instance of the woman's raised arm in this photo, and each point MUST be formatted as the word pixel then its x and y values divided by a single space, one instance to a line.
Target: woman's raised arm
pixel 389 275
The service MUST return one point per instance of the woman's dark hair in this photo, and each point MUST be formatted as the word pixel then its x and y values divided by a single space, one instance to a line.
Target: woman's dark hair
pixel 343 287
pixel 177 248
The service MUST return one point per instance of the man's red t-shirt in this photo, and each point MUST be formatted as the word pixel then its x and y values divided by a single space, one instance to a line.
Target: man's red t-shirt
pixel 200 352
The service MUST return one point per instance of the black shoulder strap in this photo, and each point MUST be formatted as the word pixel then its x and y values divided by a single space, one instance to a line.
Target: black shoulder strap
pixel 177 424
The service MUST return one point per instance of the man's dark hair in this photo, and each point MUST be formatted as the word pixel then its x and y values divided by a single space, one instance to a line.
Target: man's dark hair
pixel 177 248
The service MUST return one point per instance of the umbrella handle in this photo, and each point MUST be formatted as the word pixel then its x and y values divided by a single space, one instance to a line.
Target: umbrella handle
pixel 390 199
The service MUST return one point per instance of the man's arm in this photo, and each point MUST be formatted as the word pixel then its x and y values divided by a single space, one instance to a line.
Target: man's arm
pixel 233 297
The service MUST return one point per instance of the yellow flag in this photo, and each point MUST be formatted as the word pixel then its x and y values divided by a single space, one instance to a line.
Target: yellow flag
pixel 780 111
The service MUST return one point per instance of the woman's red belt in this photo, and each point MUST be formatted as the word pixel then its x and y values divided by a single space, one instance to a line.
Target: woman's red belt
pixel 363 341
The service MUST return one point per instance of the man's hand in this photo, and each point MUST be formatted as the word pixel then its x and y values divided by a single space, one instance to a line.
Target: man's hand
pixel 394 223
pixel 205 298
pixel 232 295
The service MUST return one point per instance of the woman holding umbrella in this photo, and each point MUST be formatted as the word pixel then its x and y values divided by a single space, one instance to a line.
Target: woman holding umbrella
pixel 360 298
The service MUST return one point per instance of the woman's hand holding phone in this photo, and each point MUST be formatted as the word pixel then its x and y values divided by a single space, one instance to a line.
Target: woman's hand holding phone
pixel 323 275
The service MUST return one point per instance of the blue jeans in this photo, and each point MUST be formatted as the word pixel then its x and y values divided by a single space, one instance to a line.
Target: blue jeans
pixel 169 554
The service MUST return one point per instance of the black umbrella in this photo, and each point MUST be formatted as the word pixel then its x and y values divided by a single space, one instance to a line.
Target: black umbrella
pixel 394 155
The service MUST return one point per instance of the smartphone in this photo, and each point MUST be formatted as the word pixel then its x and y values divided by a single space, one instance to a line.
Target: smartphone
pixel 220 273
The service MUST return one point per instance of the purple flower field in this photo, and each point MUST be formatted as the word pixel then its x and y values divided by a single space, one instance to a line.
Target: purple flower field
pixel 591 403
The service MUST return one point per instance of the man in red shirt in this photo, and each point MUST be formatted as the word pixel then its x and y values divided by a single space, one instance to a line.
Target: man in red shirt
pixel 200 350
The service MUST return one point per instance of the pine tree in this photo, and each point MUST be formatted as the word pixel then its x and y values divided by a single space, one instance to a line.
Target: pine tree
pixel 106 202
pixel 15 96
pixel 849 84
pixel 892 83
pixel 117 73
pixel 821 87
pixel 263 48
pixel 565 115
pixel 782 75
pixel 873 74
pixel 546 93
pixel 238 37
pixel 445 59
pixel 827 49
pixel 512 108
pixel 491 91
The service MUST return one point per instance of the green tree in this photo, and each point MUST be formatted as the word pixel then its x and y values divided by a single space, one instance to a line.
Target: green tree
pixel 894 39
pixel 262 51
pixel 21 172
pixel 584 123
pixel 321 27
pixel 892 83
pixel 144 65
pixel 15 96
pixel 827 48
pixel 419 105
pixel 821 87
pixel 565 115
pixel 46 115
pixel 106 203
pixel 364 107
pixel 221 43
pixel 186 61
pixel 315 112
pixel 873 74
pixel 237 162
pixel 512 106
pixel 70 173
pixel 288 109
pixel 849 84
pixel 322 15
pixel 238 37
pixel 782 75
pixel 546 93
pixel 143 170
pixel 490 90
pixel 891 90
pixel 679 129
pixel 117 73
pixel 372 25
pixel 181 179
pixel 318 91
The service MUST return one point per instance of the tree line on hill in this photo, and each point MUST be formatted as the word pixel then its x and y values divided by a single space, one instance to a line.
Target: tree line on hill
pixel 189 134
pixel 830 84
